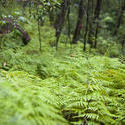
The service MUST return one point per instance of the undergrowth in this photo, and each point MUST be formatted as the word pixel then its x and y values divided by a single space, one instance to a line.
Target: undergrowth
pixel 58 88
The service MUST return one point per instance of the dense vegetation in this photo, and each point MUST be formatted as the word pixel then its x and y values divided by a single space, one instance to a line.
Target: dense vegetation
pixel 62 62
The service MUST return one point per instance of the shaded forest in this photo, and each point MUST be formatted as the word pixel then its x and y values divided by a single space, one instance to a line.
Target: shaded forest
pixel 62 62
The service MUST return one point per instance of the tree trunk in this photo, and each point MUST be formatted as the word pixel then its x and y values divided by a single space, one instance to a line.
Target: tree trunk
pixel 39 30
pixel 87 24
pixel 90 25
pixel 68 18
pixel 97 13
pixel 120 15
pixel 25 36
pixel 10 25
pixel 94 25
pixel 60 20
pixel 79 23
pixel 123 47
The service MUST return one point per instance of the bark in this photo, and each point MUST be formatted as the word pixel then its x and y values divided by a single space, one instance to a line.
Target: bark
pixel 94 25
pixel 68 18
pixel 97 13
pixel 87 25
pixel 97 9
pixel 25 36
pixel 120 16
pixel 123 46
pixel 96 35
pixel 60 20
pixel 10 25
pixel 39 30
pixel 90 27
pixel 79 23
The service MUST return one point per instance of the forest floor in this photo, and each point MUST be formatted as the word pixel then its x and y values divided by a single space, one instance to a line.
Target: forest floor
pixel 61 87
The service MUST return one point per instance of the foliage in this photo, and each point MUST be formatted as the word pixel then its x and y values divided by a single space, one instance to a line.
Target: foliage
pixel 78 86
pixel 61 87
pixel 24 100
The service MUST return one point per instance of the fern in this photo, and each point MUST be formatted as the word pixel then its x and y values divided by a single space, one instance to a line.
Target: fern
pixel 23 102
pixel 58 88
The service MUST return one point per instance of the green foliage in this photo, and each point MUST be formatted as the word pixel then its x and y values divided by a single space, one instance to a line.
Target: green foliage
pixel 64 87
pixel 69 83
pixel 24 100
pixel 108 47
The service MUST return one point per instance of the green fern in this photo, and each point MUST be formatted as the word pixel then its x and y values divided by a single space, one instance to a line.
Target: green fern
pixel 24 102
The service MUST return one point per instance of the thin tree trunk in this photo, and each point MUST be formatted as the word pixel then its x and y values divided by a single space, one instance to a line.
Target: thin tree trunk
pixel 123 46
pixel 40 41
pixel 68 39
pixel 60 20
pixel 97 9
pixel 68 18
pixel 87 24
pixel 97 13
pixel 90 27
pixel 120 16
pixel 96 35
pixel 94 25
pixel 79 23
pixel 39 31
